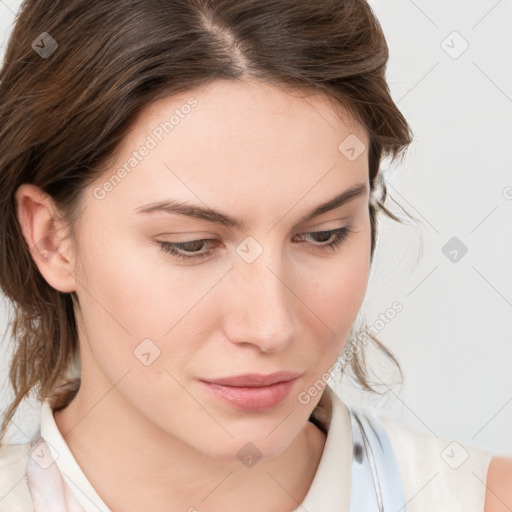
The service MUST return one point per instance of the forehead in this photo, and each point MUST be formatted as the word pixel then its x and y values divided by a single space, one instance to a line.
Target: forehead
pixel 225 112
pixel 237 141
pixel 228 103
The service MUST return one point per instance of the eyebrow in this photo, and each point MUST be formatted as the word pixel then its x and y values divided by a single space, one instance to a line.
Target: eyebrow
pixel 175 207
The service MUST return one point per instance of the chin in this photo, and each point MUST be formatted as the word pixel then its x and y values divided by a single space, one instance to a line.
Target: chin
pixel 253 446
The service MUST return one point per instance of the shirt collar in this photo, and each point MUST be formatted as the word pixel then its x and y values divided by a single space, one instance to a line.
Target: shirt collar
pixel 67 464
pixel 330 488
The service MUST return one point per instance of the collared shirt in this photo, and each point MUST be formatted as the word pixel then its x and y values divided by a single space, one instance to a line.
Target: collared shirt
pixel 435 474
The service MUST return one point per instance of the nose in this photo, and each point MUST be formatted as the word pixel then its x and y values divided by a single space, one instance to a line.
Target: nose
pixel 262 308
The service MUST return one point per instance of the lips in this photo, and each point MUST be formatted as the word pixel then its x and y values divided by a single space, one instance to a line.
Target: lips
pixel 252 392
pixel 254 380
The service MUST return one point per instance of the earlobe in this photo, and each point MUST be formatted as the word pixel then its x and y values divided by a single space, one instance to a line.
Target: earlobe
pixel 49 249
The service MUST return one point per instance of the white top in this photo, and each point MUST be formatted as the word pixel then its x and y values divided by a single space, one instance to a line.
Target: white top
pixel 436 474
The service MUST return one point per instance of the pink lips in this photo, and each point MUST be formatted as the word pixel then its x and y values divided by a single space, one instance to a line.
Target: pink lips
pixel 253 392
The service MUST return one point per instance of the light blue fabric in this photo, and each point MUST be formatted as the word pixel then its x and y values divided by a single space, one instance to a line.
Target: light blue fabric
pixel 376 484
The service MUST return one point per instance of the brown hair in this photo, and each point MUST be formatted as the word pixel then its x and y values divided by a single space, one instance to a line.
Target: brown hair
pixel 64 116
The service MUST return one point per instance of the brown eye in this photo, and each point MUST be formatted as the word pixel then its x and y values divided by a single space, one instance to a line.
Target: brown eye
pixel 191 250
pixel 186 250
pixel 337 237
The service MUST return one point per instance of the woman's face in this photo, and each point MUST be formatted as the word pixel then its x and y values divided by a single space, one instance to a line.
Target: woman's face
pixel 263 296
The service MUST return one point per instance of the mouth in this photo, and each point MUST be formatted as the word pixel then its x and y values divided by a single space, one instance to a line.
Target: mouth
pixel 253 392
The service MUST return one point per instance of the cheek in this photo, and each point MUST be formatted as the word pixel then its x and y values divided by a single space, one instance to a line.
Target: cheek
pixel 335 294
pixel 338 289
pixel 146 315
pixel 341 294
pixel 128 309
pixel 127 281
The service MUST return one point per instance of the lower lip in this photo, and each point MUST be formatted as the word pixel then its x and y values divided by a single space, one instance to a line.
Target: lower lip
pixel 252 399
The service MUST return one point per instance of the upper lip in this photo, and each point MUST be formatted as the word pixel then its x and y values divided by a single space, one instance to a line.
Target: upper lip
pixel 254 379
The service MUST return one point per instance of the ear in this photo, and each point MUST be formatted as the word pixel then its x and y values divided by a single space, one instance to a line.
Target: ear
pixel 44 236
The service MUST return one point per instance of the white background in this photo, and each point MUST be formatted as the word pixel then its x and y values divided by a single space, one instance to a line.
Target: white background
pixel 453 337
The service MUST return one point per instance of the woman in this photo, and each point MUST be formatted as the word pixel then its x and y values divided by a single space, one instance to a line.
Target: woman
pixel 189 218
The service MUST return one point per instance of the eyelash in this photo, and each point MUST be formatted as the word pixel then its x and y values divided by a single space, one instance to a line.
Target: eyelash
pixel 339 234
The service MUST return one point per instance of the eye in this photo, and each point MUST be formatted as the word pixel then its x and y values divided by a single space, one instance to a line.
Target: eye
pixel 191 250
pixel 174 249
pixel 336 237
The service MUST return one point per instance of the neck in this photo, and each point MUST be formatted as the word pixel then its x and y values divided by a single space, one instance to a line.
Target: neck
pixel 121 452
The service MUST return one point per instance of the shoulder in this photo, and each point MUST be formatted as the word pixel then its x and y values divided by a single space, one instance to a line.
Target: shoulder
pixel 437 473
pixel 499 485
pixel 13 462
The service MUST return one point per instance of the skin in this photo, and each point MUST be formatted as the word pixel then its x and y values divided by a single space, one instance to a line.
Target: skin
pixel 254 152
pixel 498 497
pixel 257 153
